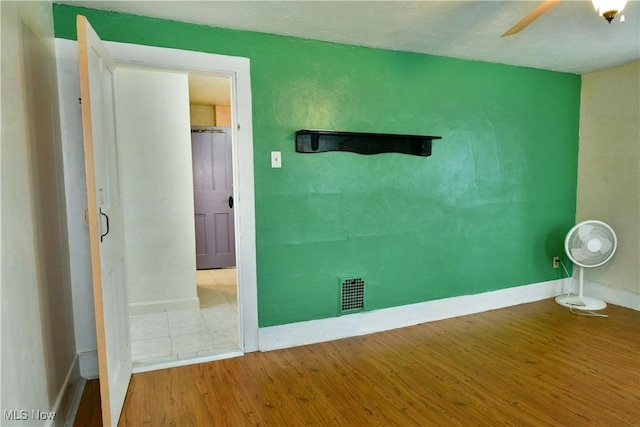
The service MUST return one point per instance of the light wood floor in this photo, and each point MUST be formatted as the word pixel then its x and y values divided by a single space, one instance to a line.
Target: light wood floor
pixel 530 365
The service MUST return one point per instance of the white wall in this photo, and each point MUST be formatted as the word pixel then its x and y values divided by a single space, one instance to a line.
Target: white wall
pixel 609 170
pixel 154 143
pixel 39 369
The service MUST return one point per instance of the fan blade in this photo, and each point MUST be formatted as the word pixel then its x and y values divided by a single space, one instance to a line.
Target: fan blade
pixel 580 254
pixel 584 232
pixel 532 16
pixel 606 246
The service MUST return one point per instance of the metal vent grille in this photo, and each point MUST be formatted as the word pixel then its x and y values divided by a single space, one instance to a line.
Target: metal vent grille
pixel 352 295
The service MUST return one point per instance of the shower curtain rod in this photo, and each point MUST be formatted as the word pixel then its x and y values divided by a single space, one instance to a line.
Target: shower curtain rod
pixel 207 130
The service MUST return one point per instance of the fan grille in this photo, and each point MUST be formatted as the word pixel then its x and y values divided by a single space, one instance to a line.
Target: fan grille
pixel 590 243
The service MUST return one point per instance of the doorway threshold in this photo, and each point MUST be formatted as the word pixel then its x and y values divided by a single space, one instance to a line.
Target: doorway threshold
pixel 185 362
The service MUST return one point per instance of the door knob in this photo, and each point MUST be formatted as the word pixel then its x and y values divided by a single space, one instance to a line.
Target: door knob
pixel 231 202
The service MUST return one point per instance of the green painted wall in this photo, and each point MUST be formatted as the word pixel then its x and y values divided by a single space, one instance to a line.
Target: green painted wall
pixel 486 211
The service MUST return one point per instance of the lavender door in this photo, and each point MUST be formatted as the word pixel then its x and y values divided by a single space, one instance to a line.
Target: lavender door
pixel 213 197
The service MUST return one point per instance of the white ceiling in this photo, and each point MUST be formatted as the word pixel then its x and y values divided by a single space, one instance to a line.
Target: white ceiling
pixel 570 37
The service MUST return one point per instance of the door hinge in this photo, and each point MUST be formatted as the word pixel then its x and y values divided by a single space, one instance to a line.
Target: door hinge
pixel 80 101
pixel 238 126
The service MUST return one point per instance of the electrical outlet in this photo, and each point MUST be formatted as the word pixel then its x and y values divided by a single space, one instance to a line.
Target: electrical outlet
pixel 556 261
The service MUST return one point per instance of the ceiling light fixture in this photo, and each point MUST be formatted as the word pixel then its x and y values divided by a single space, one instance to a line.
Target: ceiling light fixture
pixel 608 9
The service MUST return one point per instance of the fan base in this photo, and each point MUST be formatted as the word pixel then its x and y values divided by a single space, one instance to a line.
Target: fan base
pixel 581 302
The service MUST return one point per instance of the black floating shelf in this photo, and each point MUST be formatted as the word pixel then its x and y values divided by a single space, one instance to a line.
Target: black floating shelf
pixel 319 141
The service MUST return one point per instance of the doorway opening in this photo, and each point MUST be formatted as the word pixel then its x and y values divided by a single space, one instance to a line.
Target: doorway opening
pixel 211 330
pixel 113 352
pixel 236 72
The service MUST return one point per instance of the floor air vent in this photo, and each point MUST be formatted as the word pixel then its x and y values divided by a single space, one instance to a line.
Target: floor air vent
pixel 352 294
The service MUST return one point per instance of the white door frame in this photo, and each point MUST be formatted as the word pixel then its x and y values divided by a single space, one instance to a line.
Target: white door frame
pixel 242 141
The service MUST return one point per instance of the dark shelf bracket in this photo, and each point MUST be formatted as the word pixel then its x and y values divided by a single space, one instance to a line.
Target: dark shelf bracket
pixel 320 141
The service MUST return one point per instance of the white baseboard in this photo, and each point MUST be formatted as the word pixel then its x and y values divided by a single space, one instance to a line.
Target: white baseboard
pixel 89 364
pixel 313 331
pixel 616 296
pixel 75 403
pixel 152 307
pixel 68 398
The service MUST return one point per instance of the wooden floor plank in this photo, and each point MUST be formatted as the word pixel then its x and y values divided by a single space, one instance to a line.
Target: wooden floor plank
pixel 89 412
pixel 529 365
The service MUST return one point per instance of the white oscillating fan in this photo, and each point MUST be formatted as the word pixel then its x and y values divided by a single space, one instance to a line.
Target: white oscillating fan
pixel 588 244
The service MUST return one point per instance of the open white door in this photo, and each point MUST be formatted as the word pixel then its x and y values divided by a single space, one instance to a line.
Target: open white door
pixel 105 216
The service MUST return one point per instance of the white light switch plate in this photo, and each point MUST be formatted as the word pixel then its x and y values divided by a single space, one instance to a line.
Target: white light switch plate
pixel 276 159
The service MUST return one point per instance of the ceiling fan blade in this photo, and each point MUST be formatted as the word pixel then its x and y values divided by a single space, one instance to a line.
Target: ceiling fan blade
pixel 532 16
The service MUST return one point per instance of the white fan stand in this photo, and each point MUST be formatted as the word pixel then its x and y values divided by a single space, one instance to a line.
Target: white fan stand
pixel 582 232
pixel 580 301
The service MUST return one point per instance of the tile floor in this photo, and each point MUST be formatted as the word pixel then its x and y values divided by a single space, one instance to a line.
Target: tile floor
pixel 186 334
